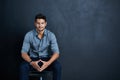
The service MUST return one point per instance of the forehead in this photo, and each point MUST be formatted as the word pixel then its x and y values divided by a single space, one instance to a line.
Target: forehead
pixel 40 20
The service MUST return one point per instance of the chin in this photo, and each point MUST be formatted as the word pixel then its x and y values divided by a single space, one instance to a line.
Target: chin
pixel 41 29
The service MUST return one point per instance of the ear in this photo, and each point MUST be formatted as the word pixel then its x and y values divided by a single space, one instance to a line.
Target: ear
pixel 46 23
pixel 34 23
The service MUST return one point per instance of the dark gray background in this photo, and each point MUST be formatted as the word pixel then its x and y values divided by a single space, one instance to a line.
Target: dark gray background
pixel 87 33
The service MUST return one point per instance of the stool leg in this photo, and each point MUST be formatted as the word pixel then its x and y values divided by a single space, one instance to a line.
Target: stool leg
pixel 41 78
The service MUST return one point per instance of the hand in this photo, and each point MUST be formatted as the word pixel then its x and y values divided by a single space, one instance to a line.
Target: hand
pixel 44 66
pixel 35 65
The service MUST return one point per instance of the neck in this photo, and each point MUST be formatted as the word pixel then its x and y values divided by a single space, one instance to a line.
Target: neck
pixel 40 32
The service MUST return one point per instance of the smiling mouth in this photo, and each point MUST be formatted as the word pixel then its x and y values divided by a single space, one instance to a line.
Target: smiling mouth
pixel 40 27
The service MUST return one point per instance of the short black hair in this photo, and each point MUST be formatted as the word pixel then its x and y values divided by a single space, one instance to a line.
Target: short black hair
pixel 40 16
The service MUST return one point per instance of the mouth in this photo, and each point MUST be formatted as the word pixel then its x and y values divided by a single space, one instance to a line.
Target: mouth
pixel 40 27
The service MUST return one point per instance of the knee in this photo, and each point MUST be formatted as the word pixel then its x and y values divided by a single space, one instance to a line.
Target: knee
pixel 24 66
pixel 57 66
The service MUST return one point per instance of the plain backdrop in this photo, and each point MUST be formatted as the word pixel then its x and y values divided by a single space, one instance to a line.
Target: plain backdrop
pixel 87 32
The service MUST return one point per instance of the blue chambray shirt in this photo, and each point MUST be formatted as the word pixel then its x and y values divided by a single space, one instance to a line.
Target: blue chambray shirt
pixel 37 47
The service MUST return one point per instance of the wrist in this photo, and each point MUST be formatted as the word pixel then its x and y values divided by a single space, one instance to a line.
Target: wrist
pixel 49 62
pixel 30 61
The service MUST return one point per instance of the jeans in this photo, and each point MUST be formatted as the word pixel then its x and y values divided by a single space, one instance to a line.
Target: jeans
pixel 25 67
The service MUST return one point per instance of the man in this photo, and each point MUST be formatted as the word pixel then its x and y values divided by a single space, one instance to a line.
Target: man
pixel 40 50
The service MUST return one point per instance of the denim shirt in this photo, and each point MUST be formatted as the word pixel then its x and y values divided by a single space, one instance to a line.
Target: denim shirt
pixel 37 47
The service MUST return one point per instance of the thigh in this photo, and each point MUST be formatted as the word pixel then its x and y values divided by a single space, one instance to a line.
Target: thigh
pixel 54 66
pixel 25 66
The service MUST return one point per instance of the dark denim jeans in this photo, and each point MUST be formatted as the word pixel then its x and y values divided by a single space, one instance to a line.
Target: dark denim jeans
pixel 25 67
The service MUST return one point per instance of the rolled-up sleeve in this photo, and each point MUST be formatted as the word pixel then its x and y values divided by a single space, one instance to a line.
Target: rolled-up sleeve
pixel 54 44
pixel 26 44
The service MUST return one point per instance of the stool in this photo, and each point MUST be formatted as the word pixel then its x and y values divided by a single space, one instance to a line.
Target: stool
pixel 44 75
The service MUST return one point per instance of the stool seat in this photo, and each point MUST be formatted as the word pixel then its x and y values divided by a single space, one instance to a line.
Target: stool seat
pixel 44 75
pixel 37 73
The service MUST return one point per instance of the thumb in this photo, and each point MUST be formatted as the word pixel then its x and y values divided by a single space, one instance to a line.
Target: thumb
pixel 39 60
pixel 42 61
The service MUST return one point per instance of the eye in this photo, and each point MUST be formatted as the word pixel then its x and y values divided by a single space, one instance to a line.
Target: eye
pixel 42 23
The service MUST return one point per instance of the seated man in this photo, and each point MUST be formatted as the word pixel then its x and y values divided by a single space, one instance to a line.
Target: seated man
pixel 40 50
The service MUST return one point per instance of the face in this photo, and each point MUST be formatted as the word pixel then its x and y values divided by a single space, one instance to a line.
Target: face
pixel 40 24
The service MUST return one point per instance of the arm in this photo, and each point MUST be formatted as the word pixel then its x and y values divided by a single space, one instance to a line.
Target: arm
pixel 55 50
pixel 26 57
pixel 54 57
pixel 47 63
pixel 25 50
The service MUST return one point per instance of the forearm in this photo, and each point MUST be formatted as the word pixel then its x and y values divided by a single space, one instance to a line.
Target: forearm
pixel 53 58
pixel 26 57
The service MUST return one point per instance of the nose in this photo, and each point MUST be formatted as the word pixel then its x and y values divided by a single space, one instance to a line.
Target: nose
pixel 39 25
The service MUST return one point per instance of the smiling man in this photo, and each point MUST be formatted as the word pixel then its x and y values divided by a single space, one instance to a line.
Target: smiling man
pixel 40 50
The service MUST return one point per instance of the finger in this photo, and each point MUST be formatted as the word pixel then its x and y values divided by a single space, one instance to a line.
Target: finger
pixel 38 69
pixel 43 67
pixel 42 61
pixel 39 60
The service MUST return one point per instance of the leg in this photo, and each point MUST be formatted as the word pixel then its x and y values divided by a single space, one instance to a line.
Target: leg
pixel 24 71
pixel 56 68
